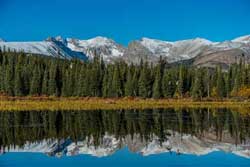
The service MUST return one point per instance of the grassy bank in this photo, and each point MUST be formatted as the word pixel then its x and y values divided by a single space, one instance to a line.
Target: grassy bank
pixel 53 103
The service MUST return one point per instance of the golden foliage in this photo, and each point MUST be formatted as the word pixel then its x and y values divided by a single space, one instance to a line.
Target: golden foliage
pixel 243 92
pixel 53 103
pixel 214 92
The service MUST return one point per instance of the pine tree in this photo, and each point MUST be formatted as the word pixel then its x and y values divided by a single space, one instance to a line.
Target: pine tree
pixel 70 80
pixel 45 82
pixel 18 82
pixel 180 83
pixel 82 82
pixel 35 82
pixel 220 88
pixel 52 80
pixel 237 80
pixel 198 89
pixel 135 83
pixel 76 78
pixel 116 83
pixel 1 78
pixel 105 84
pixel 168 83
pixel 129 84
pixel 229 82
pixel 144 82
pixel 58 79
pixel 157 89
pixel 9 77
pixel 207 83
pixel 1 71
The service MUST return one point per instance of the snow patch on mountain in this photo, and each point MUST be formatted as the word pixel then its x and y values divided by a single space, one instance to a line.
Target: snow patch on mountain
pixel 51 47
pixel 99 46
pixel 155 45
pixel 29 47
pixel 96 42
pixel 243 39
pixel 175 51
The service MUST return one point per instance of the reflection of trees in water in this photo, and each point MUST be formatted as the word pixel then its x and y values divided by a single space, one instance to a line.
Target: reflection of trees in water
pixel 18 127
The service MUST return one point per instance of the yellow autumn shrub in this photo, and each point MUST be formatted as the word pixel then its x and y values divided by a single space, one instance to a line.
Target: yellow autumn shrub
pixel 244 92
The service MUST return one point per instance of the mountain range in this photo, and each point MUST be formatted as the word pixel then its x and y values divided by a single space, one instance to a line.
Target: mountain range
pixel 176 142
pixel 198 51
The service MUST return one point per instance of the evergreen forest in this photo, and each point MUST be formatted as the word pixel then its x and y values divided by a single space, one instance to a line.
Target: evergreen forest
pixel 35 75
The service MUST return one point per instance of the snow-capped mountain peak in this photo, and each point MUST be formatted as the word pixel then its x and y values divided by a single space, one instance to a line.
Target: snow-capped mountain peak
pixel 175 51
pixel 155 45
pixel 93 42
pixel 145 48
pixel 154 41
pixel 57 39
pixel 202 41
pixel 98 41
pixel 50 47
pixel 98 46
pixel 242 39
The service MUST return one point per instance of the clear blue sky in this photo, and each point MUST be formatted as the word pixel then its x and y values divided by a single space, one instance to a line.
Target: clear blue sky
pixel 124 20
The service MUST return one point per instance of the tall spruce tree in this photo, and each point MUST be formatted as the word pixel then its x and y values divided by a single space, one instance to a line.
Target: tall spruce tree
pixel 1 78
pixel 19 91
pixel 105 84
pixel 129 84
pixel 9 77
pixel 52 79
pixel 180 83
pixel 45 82
pixel 82 82
pixel 220 84
pixel 157 89
pixel 35 86
pixel 168 84
pixel 229 82
pixel 207 83
pixel 198 89
pixel 135 82
pixel 144 83
pixel 116 83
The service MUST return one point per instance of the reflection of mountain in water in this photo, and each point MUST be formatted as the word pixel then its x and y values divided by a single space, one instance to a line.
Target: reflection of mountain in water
pixel 102 133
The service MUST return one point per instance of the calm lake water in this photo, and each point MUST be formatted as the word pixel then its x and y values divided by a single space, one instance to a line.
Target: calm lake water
pixel 153 137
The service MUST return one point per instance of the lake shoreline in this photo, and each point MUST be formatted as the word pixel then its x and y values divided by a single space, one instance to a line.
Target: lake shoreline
pixel 94 103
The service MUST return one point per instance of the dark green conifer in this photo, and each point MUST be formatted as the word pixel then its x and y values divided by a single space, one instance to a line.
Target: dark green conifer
pixel 157 87
pixel 18 82
pixel 180 83
pixel 35 85
pixel 198 89
pixel 45 82
pixel 168 84
pixel 116 83
pixel 144 83
pixel 129 84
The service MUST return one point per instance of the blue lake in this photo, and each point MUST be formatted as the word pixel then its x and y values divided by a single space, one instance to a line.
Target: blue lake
pixel 124 158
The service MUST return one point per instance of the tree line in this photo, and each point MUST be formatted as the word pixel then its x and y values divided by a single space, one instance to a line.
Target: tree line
pixel 22 74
